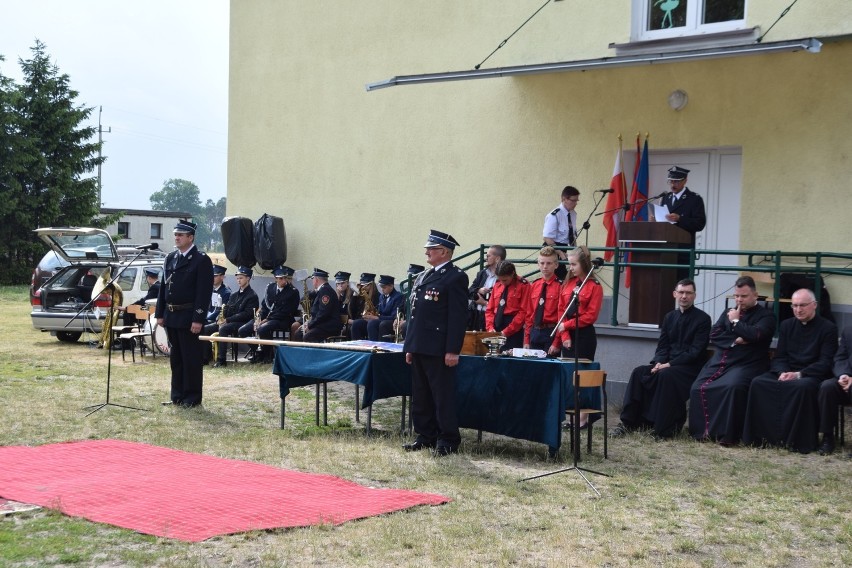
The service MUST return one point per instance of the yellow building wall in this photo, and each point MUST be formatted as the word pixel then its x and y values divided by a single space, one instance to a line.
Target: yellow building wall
pixel 360 178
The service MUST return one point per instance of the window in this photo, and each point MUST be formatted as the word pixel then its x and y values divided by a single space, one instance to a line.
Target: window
pixel 658 19
pixel 124 229
pixel 156 230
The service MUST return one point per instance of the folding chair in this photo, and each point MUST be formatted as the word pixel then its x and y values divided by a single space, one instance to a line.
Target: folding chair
pixel 591 379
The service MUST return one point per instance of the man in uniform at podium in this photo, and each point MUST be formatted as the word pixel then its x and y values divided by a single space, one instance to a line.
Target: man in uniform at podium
pixel 686 210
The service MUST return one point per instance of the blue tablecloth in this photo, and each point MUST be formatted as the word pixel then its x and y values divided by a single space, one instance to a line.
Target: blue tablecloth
pixel 520 398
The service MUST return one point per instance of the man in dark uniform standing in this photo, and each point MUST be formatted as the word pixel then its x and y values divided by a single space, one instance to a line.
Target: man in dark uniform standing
pixel 686 210
pixel 182 308
pixel 277 312
pixel 325 312
pixel 434 338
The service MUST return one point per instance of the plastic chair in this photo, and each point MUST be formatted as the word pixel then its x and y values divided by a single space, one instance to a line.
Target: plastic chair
pixel 592 379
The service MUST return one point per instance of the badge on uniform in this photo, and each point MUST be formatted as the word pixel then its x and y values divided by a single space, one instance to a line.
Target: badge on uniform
pixel 502 302
pixel 325 300
pixel 541 301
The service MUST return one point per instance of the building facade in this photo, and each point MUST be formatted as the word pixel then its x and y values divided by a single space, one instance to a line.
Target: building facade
pixel 754 104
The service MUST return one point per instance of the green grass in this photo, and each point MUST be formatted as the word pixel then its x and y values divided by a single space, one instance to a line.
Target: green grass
pixel 677 503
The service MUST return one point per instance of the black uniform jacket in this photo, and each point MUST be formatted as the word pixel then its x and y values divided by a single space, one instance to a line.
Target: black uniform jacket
pixel 439 312
pixel 690 207
pixel 241 305
pixel 186 288
pixel 279 305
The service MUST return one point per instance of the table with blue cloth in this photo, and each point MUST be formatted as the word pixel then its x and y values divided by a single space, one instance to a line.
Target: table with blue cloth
pixel 522 398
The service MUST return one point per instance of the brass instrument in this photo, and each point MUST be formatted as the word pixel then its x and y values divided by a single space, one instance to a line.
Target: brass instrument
pixel 397 324
pixel 220 321
pixel 365 291
pixel 306 306
pixel 257 320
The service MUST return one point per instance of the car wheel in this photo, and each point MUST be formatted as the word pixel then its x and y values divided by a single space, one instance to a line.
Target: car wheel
pixel 68 336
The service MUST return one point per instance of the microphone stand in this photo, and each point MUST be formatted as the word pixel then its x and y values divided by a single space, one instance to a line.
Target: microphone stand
pixel 111 285
pixel 586 223
pixel 575 430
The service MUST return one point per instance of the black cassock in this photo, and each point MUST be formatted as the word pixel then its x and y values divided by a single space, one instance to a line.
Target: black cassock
pixel 785 413
pixel 659 399
pixel 718 397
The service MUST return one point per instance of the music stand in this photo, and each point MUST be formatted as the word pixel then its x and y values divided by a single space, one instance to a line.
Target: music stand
pixel 576 439
pixel 111 285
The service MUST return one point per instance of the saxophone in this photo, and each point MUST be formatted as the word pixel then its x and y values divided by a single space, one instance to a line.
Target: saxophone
pixel 306 306
pixel 257 320
pixel 364 291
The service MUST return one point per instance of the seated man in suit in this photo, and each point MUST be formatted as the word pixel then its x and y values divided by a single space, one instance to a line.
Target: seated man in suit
pixel 657 393
pixel 240 309
pixel 221 293
pixel 835 392
pixel 324 321
pixel 277 312
pixel 375 327
pixel 782 404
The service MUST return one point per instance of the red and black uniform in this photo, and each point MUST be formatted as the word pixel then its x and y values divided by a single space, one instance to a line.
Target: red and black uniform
pixel 506 311
pixel 584 341
pixel 537 334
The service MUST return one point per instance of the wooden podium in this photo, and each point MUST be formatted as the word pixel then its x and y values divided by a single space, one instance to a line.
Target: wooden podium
pixel 651 288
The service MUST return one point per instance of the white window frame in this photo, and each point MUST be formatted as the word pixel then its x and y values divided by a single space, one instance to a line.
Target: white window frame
pixel 693 26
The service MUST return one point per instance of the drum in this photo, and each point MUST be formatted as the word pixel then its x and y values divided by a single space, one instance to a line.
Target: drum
pixel 161 339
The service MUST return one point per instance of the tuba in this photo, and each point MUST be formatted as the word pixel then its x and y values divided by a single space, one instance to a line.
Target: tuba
pixel 365 291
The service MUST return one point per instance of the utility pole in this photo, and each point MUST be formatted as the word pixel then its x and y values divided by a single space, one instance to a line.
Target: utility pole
pixel 100 145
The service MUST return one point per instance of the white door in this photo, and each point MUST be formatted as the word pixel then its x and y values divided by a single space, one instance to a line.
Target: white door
pixel 715 175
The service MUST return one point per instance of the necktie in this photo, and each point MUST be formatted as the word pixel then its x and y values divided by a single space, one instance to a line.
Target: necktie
pixel 539 309
pixel 501 307
pixel 571 236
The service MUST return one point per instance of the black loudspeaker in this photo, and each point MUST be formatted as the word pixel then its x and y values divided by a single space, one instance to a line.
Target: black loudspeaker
pixel 238 238
pixel 270 241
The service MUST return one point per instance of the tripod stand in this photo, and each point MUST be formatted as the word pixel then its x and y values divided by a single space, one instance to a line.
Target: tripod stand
pixel 111 284
pixel 575 431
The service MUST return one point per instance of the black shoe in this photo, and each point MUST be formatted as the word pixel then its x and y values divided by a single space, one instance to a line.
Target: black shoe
pixel 619 431
pixel 417 445
pixel 218 364
pixel 826 448
pixel 444 450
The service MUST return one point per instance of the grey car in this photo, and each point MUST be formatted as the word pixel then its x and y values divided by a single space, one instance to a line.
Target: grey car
pixel 73 301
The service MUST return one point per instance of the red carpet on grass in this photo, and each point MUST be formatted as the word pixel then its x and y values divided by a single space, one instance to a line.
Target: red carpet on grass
pixel 182 495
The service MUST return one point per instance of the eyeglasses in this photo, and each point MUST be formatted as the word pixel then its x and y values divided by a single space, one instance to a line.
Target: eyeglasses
pixel 799 306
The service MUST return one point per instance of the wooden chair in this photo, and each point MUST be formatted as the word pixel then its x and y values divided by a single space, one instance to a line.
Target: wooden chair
pixel 136 335
pixel 592 379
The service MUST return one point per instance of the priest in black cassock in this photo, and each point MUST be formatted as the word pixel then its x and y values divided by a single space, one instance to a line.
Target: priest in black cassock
pixel 657 393
pixel 741 338
pixel 835 392
pixel 782 403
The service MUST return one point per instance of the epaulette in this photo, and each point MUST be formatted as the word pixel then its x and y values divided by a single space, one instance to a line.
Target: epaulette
pixel 523 280
pixel 555 211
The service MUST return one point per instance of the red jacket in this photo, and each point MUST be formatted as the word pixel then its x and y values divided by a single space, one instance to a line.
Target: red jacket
pixel 551 305
pixel 517 301
pixel 591 299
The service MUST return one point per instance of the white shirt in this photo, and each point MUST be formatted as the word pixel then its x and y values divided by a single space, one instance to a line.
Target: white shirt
pixel 556 225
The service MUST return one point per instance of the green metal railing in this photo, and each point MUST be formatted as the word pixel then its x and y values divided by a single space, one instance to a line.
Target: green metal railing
pixel 813 264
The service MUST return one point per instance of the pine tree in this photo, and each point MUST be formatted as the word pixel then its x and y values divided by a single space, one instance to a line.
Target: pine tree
pixel 48 181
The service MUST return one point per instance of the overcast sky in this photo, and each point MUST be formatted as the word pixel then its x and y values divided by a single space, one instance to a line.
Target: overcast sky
pixel 159 69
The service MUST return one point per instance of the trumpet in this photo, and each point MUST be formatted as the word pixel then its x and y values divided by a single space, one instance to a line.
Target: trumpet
pixel 257 320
